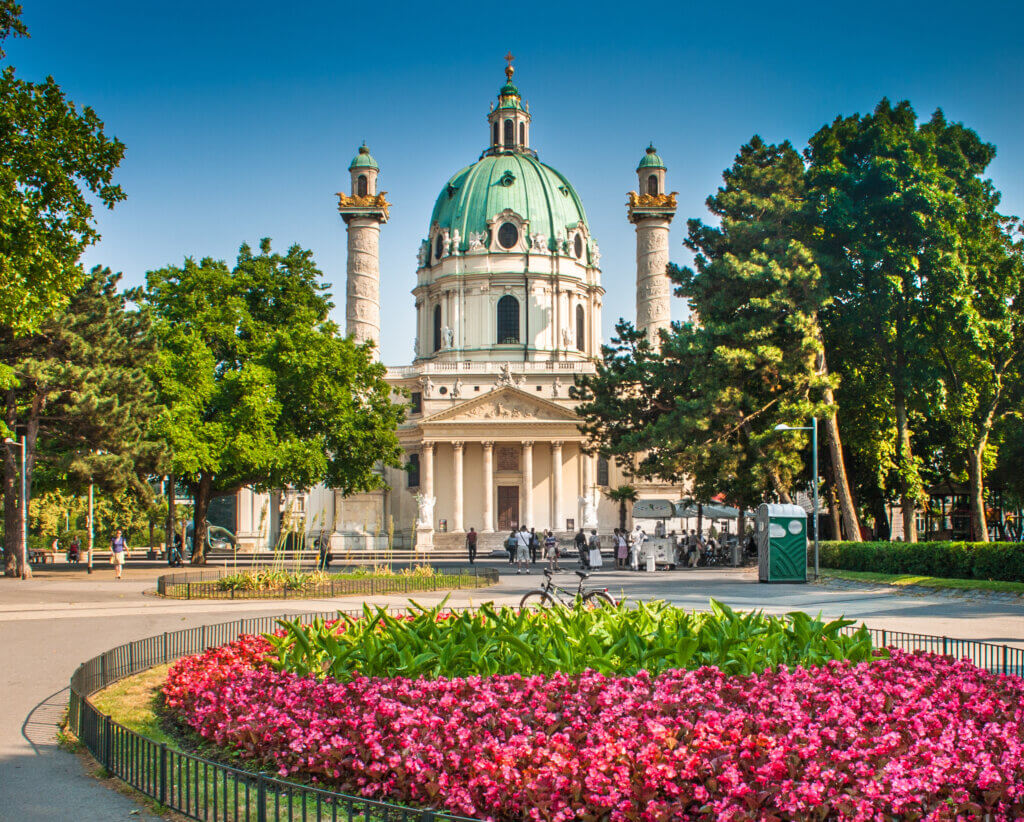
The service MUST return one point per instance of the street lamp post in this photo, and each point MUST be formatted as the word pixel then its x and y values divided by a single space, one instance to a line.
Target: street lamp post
pixel 813 428
pixel 23 507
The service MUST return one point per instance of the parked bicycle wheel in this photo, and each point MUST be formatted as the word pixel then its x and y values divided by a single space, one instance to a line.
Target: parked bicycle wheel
pixel 598 599
pixel 537 599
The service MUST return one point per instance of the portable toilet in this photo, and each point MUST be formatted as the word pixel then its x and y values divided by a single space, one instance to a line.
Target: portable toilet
pixel 781 532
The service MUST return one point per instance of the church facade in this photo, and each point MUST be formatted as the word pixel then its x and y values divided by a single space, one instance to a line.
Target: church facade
pixel 508 311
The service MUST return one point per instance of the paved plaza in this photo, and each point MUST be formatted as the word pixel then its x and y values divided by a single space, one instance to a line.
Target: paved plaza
pixel 50 624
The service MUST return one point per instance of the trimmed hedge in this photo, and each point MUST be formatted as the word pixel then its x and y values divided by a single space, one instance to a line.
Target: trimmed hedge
pixel 1002 561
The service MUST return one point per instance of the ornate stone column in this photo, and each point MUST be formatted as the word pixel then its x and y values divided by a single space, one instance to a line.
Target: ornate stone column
pixel 425 514
pixel 457 482
pixel 427 467
pixel 651 211
pixel 556 480
pixel 527 517
pixel 488 507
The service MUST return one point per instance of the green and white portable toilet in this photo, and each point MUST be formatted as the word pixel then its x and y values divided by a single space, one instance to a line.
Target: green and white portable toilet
pixel 781 543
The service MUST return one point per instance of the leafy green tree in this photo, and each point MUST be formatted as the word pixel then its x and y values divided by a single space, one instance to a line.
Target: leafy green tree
pixel 53 156
pixel 83 399
pixel 261 388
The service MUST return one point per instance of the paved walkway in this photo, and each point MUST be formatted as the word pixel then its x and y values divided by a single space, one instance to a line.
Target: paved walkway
pixel 50 624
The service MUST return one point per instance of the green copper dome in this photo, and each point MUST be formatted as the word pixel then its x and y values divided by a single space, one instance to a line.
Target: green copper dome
pixel 516 181
pixel 651 159
pixel 364 159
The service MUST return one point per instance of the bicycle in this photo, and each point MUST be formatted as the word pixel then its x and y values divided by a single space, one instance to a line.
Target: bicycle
pixel 551 594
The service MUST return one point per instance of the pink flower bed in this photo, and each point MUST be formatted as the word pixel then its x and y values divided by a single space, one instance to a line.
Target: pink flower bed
pixel 912 737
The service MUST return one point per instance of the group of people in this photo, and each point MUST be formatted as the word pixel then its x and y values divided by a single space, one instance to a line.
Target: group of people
pixel 526 546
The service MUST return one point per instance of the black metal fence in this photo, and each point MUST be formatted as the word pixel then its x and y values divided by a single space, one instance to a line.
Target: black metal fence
pixel 212 792
pixel 203 585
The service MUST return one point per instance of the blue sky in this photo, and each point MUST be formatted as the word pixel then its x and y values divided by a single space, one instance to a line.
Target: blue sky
pixel 241 118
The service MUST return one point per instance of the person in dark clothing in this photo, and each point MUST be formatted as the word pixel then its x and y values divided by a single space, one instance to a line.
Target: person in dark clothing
pixel 510 546
pixel 580 541
pixel 471 544
pixel 534 546
pixel 324 555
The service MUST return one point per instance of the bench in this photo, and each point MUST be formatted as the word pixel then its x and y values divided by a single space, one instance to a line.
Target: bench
pixel 41 557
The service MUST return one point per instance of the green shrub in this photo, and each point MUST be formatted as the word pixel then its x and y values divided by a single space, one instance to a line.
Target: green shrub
pixel 1003 561
pixel 615 641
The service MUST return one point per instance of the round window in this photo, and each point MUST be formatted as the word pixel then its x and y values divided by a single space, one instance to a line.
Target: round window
pixel 578 246
pixel 508 235
pixel 439 246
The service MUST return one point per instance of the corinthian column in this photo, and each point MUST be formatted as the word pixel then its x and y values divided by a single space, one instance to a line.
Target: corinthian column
pixel 488 507
pixel 527 518
pixel 457 482
pixel 556 480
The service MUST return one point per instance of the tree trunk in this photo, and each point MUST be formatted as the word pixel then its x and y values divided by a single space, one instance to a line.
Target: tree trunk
pixel 904 462
pixel 835 450
pixel 12 533
pixel 883 529
pixel 622 515
pixel 700 518
pixel 833 505
pixel 780 489
pixel 171 521
pixel 975 477
pixel 203 493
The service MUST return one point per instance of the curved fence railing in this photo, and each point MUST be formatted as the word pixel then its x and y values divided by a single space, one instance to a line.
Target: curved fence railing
pixel 201 585
pixel 210 791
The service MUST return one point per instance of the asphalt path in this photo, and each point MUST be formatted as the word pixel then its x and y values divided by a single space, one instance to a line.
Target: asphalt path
pixel 51 624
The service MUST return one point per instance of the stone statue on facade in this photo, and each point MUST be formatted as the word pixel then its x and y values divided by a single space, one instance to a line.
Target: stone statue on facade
pixel 595 252
pixel 415 347
pixel 427 385
pixel 539 243
pixel 566 337
pixel 476 241
pixel 556 386
pixel 505 375
pixel 454 242
pixel 425 511
pixel 457 388
pixel 589 510
pixel 448 334
pixel 423 255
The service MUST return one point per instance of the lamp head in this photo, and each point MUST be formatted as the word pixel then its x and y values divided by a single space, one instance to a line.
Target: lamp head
pixel 783 427
pixel 9 441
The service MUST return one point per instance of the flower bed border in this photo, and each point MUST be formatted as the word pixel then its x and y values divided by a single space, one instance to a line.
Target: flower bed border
pixel 203 789
pixel 182 585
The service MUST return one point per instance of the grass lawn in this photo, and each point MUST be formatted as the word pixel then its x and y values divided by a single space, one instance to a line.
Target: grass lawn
pixel 132 702
pixel 929 582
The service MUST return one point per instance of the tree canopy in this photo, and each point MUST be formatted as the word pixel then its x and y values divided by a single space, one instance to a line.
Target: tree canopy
pixel 260 387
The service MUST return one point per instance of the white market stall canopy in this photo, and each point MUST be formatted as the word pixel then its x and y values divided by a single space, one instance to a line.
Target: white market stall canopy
pixel 653 509
pixel 687 509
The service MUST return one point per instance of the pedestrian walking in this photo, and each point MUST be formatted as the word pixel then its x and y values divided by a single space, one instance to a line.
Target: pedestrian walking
pixel 580 541
pixel 621 549
pixel 324 557
pixel 522 550
pixel 118 552
pixel 595 550
pixel 510 546
pixel 534 546
pixel 471 544
pixel 551 550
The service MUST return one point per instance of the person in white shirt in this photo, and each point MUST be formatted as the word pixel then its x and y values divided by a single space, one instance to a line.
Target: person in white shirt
pixel 522 550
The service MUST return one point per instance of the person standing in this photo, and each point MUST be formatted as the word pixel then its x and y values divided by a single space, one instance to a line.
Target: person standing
pixel 324 555
pixel 471 544
pixel 595 550
pixel 118 552
pixel 551 550
pixel 522 550
pixel 621 549
pixel 510 546
pixel 580 542
pixel 534 546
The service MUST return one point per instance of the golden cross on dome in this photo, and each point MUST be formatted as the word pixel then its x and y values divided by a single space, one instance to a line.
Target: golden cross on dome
pixel 509 71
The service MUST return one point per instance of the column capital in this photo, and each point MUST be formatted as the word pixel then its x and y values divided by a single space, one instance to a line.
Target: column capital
pixel 556 443
pixel 528 444
pixel 487 445
pixel 427 445
pixel 457 445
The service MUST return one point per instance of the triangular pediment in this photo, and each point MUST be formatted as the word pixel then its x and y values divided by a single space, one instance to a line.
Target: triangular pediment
pixel 506 404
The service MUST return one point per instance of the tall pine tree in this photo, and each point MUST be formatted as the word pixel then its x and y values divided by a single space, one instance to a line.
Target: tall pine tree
pixel 83 399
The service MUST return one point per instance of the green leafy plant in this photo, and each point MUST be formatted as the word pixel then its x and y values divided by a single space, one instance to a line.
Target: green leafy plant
pixel 435 642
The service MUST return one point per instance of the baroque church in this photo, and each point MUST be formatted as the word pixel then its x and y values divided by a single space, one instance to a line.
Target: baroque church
pixel 508 311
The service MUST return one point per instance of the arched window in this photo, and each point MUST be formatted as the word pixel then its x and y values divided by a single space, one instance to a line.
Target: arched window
pixel 522 134
pixel 439 245
pixel 361 185
pixel 508 320
pixel 495 140
pixel 652 184
pixel 414 471
pixel 577 246
pixel 581 327
pixel 437 328
pixel 510 134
